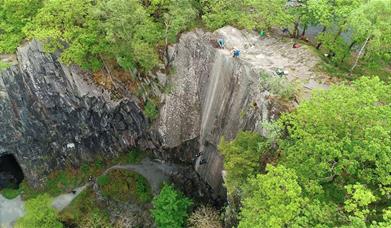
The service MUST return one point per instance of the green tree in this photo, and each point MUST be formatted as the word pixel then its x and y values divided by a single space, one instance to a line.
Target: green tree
pixel 39 214
pixel 170 208
pixel 271 200
pixel 276 200
pixel 175 15
pixel 14 14
pixel 358 200
pixel 69 26
pixel 250 14
pixel 341 137
pixel 132 36
pixel 370 25
pixel 241 158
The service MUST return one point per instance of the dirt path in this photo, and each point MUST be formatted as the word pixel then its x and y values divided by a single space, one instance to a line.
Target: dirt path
pixel 10 211
pixel 155 172
pixel 62 201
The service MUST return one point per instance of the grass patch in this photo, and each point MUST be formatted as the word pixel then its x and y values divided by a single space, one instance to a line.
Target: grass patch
pixel 133 156
pixel 4 65
pixel 62 181
pixel 10 193
pixel 150 110
pixel 126 186
pixel 85 211
pixel 103 180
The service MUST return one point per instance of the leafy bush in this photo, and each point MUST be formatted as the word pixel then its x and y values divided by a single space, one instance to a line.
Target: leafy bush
pixel 10 193
pixel 204 217
pixel 150 110
pixel 170 208
pixel 39 213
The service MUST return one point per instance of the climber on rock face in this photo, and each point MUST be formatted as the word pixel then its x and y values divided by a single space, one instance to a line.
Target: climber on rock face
pixel 221 43
pixel 236 53
pixel 203 161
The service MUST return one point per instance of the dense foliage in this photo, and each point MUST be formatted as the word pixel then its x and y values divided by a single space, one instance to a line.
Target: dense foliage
pixel 95 34
pixel 334 166
pixel 241 158
pixel 39 213
pixel 170 208
pixel 14 15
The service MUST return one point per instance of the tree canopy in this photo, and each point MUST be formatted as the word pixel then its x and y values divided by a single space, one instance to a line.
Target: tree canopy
pixel 334 166
pixel 93 33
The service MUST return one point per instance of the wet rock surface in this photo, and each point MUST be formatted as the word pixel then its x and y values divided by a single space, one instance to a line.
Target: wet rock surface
pixel 52 116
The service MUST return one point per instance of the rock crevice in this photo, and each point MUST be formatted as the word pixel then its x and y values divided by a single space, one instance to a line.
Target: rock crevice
pixel 52 117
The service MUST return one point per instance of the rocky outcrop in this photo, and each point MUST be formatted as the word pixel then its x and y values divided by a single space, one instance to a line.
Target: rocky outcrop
pixel 52 116
pixel 214 95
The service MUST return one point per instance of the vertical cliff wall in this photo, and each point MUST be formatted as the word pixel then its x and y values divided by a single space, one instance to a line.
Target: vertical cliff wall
pixel 52 117
pixel 215 95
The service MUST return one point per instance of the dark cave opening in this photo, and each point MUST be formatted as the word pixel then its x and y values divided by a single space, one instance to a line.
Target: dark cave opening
pixel 11 174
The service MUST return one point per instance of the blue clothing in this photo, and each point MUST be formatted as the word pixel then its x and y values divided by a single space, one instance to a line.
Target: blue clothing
pixel 221 43
pixel 236 53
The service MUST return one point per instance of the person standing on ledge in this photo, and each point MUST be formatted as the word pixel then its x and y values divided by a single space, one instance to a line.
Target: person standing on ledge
pixel 221 43
pixel 236 53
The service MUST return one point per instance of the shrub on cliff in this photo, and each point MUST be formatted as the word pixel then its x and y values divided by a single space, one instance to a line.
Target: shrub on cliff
pixel 39 213
pixel 170 208
pixel 205 217
pixel 150 110
pixel 241 158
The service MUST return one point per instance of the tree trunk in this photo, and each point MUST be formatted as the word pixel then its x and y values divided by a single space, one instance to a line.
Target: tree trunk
pixel 360 53
pixel 295 30
pixel 320 43
pixel 348 51
pixel 304 30
pixel 107 70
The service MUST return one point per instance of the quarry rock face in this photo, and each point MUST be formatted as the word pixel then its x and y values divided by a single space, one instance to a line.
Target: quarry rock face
pixel 215 95
pixel 51 117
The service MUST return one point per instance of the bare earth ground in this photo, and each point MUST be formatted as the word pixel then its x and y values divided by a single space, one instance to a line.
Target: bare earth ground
pixel 271 52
